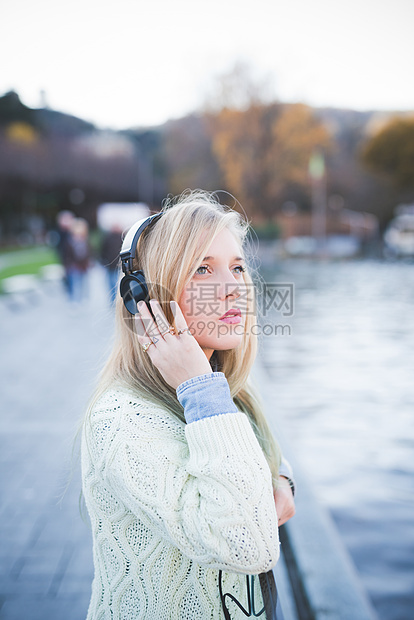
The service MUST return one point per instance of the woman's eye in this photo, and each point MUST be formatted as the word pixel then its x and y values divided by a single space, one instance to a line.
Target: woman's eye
pixel 203 269
pixel 240 269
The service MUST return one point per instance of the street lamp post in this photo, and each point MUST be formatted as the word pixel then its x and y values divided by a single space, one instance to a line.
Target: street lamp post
pixel 317 174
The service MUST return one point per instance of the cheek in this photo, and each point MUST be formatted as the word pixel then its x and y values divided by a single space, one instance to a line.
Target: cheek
pixel 185 304
pixel 198 308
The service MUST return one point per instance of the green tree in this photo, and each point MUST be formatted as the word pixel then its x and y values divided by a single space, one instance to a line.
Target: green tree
pixel 390 152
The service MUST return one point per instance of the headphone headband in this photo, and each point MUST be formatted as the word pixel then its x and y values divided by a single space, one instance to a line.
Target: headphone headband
pixel 127 253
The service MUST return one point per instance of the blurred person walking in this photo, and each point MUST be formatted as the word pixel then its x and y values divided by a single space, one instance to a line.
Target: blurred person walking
pixel 64 223
pixel 78 258
pixel 110 248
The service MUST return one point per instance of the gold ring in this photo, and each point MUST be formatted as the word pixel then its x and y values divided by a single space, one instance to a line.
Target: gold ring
pixel 170 330
pixel 146 346
pixel 181 331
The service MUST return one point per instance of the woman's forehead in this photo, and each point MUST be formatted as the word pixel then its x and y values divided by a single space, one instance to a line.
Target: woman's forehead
pixel 224 244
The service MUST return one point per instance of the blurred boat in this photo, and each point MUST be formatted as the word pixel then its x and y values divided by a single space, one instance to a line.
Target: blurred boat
pixel 399 235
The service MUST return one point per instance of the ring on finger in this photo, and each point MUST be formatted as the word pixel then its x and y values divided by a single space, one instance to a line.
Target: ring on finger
pixel 181 331
pixel 146 346
pixel 170 330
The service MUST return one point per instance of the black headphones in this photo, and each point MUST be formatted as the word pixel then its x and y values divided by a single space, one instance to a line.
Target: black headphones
pixel 133 287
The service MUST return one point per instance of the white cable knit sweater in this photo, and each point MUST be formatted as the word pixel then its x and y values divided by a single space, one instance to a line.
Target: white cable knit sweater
pixel 170 505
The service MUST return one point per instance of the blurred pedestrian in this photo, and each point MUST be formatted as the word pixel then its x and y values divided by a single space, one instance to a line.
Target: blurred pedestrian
pixel 78 257
pixel 64 222
pixel 110 247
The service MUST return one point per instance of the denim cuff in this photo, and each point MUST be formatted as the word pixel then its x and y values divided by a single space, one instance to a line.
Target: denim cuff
pixel 286 471
pixel 205 396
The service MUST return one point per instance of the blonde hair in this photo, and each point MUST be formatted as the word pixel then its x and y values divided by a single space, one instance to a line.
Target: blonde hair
pixel 168 252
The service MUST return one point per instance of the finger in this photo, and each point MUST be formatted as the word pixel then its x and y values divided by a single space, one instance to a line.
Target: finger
pixel 148 346
pixel 139 326
pixel 150 326
pixel 142 334
pixel 284 518
pixel 161 320
pixel 180 322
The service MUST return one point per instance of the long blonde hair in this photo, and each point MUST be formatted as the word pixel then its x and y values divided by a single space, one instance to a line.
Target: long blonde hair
pixel 168 252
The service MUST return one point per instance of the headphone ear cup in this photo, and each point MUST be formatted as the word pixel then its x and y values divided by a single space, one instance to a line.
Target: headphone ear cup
pixel 133 289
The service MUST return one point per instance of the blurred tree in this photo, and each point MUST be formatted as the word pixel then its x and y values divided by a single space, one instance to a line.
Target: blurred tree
pixel 12 110
pixel 348 177
pixel 21 132
pixel 188 156
pixel 296 135
pixel 390 152
pixel 239 89
pixel 264 149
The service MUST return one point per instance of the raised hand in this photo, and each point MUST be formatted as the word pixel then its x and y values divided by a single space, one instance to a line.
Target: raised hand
pixel 175 353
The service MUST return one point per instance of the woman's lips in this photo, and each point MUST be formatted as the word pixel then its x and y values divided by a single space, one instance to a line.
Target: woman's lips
pixel 232 319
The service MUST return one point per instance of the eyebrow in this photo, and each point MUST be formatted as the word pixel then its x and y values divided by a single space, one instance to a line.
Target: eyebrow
pixel 234 258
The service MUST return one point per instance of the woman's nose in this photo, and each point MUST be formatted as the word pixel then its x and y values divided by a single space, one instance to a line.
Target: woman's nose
pixel 229 290
pixel 234 294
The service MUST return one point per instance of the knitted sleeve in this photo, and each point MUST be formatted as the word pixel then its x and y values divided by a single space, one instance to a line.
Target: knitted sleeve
pixel 205 489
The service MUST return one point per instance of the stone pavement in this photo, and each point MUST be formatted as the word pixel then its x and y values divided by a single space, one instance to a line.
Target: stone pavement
pixel 51 353
pixel 50 356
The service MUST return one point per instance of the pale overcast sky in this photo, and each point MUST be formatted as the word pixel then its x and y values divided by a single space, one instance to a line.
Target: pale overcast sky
pixel 123 63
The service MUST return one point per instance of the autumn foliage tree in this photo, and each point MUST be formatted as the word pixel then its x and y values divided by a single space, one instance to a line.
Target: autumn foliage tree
pixel 296 134
pixel 390 152
pixel 264 149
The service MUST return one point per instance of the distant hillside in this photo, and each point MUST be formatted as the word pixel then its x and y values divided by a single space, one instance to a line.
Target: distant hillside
pixel 12 110
pixel 62 124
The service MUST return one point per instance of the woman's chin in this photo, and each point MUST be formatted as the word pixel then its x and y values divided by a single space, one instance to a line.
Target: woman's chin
pixel 224 343
pixel 222 337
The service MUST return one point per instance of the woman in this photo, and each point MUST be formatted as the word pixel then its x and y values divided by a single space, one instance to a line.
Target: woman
pixel 180 471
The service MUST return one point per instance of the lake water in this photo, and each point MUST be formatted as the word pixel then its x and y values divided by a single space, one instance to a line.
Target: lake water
pixel 345 378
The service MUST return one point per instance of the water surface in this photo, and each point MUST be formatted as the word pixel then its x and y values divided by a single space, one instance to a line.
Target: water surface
pixel 346 398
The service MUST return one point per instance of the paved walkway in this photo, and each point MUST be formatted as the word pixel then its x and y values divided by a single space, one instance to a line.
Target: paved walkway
pixel 50 356
pixel 51 353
